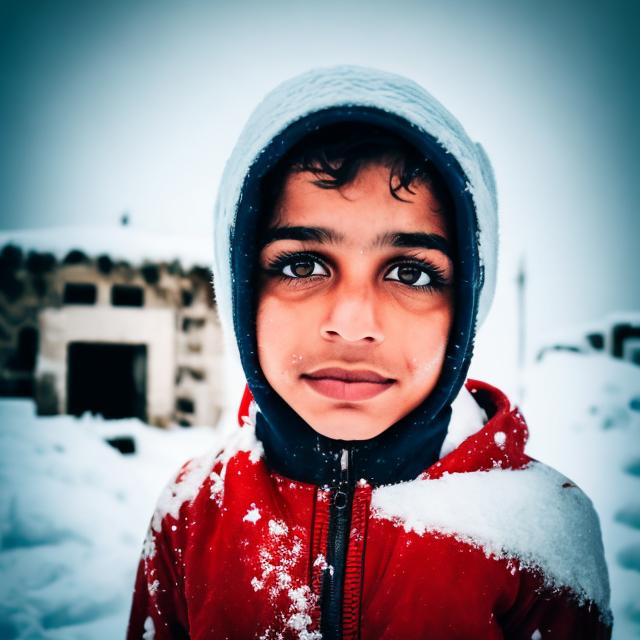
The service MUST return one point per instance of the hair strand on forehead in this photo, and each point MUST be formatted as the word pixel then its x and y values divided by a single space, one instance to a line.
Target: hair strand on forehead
pixel 337 153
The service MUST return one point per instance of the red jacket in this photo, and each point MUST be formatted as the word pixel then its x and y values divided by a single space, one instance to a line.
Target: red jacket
pixel 487 543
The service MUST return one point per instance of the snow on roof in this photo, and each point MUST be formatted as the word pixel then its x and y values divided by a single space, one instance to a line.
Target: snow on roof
pixel 576 333
pixel 534 515
pixel 120 243
pixel 622 317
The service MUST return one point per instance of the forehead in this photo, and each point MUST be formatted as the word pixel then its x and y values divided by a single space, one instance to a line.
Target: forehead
pixel 361 209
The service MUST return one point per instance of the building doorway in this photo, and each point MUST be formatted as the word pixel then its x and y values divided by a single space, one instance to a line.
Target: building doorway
pixel 107 379
pixel 626 342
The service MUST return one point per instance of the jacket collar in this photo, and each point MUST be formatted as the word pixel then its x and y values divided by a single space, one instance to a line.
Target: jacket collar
pixel 301 454
pixel 499 444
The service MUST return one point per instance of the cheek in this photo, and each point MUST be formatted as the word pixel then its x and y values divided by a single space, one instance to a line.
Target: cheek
pixel 426 363
pixel 267 334
pixel 277 338
pixel 427 345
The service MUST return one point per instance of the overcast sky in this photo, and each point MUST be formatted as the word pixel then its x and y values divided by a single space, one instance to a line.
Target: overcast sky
pixel 107 107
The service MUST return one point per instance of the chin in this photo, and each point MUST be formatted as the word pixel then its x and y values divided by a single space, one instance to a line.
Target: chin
pixel 348 427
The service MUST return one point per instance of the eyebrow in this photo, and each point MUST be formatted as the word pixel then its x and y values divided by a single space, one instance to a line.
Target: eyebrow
pixel 308 234
pixel 322 235
pixel 413 239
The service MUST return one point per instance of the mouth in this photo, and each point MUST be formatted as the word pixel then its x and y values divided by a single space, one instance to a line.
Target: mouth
pixel 343 384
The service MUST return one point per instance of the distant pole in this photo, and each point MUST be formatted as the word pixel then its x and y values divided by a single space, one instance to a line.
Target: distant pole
pixel 124 219
pixel 521 283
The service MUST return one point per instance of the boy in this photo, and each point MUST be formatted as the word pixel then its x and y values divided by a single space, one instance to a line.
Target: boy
pixel 370 491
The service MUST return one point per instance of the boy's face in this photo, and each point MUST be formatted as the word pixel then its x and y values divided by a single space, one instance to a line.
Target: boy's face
pixel 355 302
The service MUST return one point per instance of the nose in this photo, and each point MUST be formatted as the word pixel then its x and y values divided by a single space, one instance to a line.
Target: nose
pixel 353 316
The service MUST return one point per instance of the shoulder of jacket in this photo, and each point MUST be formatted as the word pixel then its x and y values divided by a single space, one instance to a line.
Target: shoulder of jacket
pixel 534 516
pixel 183 487
pixel 205 472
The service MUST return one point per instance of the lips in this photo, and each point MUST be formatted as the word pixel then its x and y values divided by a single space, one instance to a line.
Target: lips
pixel 344 384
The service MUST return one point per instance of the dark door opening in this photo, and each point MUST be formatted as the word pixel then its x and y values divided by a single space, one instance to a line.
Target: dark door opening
pixel 622 334
pixel 107 379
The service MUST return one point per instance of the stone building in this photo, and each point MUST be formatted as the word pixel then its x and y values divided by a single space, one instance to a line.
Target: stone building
pixel 88 330
pixel 617 335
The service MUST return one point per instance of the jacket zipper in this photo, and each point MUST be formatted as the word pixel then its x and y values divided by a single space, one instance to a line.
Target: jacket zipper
pixel 337 546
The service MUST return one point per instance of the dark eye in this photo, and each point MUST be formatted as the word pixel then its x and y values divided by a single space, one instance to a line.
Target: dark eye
pixel 409 274
pixel 304 268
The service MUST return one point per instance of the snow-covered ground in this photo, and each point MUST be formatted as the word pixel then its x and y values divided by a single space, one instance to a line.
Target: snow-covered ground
pixel 583 413
pixel 73 510
pixel 73 515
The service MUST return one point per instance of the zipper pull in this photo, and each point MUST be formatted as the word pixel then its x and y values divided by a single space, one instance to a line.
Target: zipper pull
pixel 344 467
pixel 340 498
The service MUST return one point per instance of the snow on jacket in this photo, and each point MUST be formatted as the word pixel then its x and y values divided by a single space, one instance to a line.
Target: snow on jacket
pixel 434 528
pixel 486 543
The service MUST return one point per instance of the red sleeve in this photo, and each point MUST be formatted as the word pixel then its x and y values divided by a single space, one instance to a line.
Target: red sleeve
pixel 158 609
pixel 540 612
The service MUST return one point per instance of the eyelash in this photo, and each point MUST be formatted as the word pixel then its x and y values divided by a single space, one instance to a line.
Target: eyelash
pixel 279 262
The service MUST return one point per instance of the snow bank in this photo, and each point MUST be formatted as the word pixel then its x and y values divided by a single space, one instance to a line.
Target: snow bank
pixel 583 413
pixel 73 515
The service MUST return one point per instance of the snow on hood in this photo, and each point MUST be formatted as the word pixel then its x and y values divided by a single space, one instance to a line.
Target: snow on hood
pixel 351 86
pixel 535 516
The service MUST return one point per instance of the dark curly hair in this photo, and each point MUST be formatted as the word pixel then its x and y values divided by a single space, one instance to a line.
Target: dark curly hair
pixel 335 155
